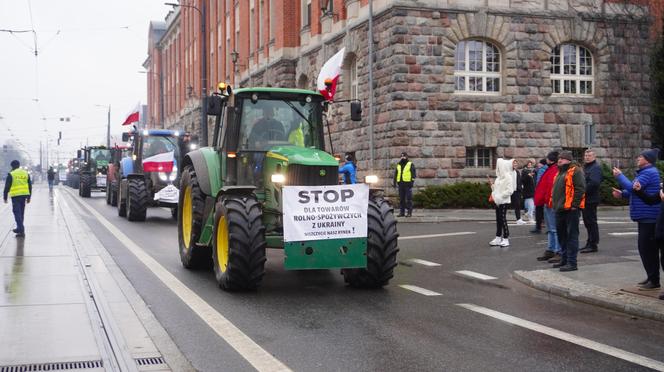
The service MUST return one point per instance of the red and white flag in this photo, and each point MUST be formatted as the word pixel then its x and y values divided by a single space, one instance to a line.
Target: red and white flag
pixel 133 116
pixel 330 74
pixel 159 163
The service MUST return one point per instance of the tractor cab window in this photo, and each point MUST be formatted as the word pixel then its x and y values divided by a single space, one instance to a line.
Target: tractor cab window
pixel 155 145
pixel 269 123
pixel 100 155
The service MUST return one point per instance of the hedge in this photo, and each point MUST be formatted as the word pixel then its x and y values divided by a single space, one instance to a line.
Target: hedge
pixel 476 195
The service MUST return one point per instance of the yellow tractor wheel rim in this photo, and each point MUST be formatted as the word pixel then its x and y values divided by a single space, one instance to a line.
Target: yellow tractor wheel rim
pixel 187 217
pixel 222 244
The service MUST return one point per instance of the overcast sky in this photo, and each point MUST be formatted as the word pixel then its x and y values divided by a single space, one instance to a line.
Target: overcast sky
pixel 90 53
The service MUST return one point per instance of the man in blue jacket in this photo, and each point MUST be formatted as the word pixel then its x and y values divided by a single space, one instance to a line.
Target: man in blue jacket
pixel 593 174
pixel 348 170
pixel 644 214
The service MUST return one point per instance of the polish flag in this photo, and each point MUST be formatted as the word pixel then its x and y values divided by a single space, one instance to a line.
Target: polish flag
pixel 134 116
pixel 159 163
pixel 330 74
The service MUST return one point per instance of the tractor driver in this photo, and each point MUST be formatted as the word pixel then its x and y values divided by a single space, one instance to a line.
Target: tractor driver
pixel 266 129
pixel 157 147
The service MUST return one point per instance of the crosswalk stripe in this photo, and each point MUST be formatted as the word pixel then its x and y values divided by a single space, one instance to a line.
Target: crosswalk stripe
pixel 422 262
pixel 419 290
pixel 590 344
pixel 475 275
pixel 436 235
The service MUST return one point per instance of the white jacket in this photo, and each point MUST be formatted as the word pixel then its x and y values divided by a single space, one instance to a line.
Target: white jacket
pixel 505 182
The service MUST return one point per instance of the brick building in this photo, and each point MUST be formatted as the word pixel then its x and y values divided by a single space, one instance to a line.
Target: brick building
pixel 457 83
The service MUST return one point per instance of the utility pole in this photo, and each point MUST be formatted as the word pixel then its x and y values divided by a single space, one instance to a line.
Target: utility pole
pixel 371 93
pixel 108 129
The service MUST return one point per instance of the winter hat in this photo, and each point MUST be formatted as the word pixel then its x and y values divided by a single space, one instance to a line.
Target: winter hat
pixel 404 154
pixel 566 155
pixel 542 161
pixel 650 155
pixel 15 164
pixel 349 157
pixel 552 156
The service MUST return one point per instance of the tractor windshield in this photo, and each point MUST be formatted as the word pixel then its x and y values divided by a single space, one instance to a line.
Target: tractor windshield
pixel 100 156
pixel 155 145
pixel 267 123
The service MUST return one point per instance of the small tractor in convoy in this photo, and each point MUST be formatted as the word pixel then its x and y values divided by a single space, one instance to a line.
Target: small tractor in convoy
pixel 232 195
pixel 73 178
pixel 93 169
pixel 147 177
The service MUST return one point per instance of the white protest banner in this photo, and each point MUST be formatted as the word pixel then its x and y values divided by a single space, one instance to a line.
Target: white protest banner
pixel 325 212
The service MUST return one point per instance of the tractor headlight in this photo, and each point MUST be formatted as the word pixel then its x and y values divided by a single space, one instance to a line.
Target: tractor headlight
pixel 371 179
pixel 173 176
pixel 192 146
pixel 163 176
pixel 278 178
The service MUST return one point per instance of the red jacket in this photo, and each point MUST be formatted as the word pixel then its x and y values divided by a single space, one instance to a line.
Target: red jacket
pixel 545 186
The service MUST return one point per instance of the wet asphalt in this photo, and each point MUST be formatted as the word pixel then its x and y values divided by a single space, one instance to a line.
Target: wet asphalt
pixel 310 320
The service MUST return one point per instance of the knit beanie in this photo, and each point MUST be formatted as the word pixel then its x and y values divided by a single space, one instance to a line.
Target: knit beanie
pixel 566 155
pixel 552 156
pixel 15 164
pixel 650 155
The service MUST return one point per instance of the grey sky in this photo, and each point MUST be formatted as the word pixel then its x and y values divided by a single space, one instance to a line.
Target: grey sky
pixel 89 53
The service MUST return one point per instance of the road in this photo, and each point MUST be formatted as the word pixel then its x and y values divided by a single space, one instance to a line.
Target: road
pixel 428 318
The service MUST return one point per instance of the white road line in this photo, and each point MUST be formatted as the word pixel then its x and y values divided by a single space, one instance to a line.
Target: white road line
pixel 245 346
pixel 422 262
pixel 475 275
pixel 593 345
pixel 624 233
pixel 436 235
pixel 419 290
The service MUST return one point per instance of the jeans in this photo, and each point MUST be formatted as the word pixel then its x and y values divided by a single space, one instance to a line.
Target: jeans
pixel 405 197
pixel 18 207
pixel 590 222
pixel 550 220
pixel 501 221
pixel 649 251
pixel 50 184
pixel 567 224
pixel 529 204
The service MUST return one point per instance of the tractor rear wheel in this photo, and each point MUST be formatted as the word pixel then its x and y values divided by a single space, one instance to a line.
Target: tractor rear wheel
pixel 190 222
pixel 137 199
pixel 238 243
pixel 122 201
pixel 86 183
pixel 381 247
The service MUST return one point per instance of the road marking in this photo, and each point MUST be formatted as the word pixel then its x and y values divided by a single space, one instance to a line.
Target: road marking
pixel 419 290
pixel 624 233
pixel 593 345
pixel 422 262
pixel 245 346
pixel 437 235
pixel 475 275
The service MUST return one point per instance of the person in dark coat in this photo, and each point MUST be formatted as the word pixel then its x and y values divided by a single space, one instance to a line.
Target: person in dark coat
pixel 541 167
pixel 645 215
pixel 528 183
pixel 50 177
pixel 593 173
pixel 517 195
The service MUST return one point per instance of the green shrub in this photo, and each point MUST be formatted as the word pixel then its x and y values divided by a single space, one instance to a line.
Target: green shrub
pixel 457 195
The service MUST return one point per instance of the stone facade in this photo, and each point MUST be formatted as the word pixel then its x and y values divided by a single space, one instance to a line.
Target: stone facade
pixel 418 111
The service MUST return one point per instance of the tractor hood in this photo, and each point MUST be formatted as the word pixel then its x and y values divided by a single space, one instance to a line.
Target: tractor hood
pixel 302 156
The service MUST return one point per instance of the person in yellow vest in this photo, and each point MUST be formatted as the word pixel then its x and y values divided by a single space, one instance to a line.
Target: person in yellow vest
pixel 404 177
pixel 296 134
pixel 19 187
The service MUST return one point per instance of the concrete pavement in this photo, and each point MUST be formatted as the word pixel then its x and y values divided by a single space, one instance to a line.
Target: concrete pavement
pixel 65 304
pixel 610 285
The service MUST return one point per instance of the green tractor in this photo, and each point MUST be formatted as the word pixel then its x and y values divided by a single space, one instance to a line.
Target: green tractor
pixel 93 169
pixel 231 205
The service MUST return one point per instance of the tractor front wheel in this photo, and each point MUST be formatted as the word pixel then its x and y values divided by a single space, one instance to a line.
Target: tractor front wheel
pixel 190 222
pixel 238 243
pixel 137 199
pixel 122 201
pixel 381 248
pixel 86 183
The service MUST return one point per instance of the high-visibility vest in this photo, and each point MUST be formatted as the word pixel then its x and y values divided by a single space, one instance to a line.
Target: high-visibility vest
pixel 407 176
pixel 19 183
pixel 296 137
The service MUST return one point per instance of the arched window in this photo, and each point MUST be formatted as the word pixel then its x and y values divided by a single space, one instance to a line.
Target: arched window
pixel 477 67
pixel 303 82
pixel 353 80
pixel 572 70
pixel 350 80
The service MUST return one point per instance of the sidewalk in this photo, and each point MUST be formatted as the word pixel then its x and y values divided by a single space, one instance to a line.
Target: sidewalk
pixel 65 304
pixel 611 285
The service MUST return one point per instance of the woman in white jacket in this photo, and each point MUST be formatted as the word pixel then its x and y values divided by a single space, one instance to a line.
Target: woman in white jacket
pixel 501 192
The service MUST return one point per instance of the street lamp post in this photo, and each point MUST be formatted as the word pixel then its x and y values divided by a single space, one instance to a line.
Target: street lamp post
pixel 108 126
pixel 204 129
pixel 160 76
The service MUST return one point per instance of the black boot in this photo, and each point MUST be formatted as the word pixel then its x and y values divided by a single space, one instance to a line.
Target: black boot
pixel 547 254
pixel 568 268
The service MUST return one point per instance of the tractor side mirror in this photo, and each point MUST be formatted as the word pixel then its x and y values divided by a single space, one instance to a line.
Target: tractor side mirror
pixel 356 111
pixel 214 104
pixel 78 154
pixel 125 137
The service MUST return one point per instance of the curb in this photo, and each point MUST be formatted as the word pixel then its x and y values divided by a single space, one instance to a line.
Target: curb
pixel 591 294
